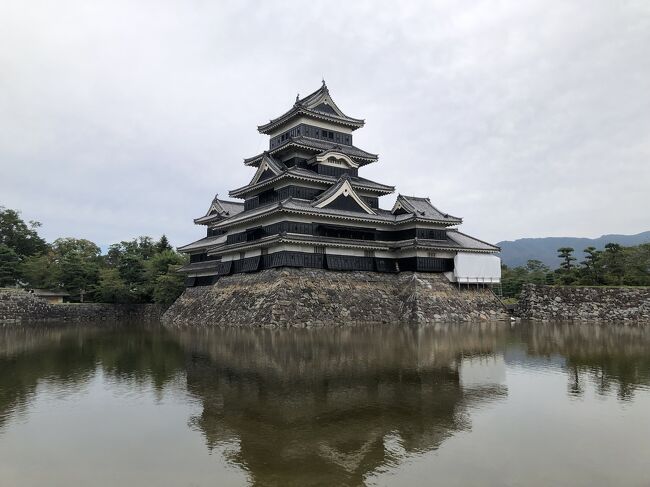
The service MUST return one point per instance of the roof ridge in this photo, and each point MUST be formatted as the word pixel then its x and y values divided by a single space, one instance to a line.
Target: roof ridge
pixel 428 200
pixel 421 198
pixel 322 88
pixel 233 202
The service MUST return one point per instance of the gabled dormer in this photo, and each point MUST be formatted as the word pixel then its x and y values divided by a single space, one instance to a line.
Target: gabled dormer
pixel 335 163
pixel 421 208
pixel 267 169
pixel 220 210
pixel 342 196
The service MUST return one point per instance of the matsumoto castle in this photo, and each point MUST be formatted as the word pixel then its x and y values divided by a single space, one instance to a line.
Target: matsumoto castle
pixel 308 206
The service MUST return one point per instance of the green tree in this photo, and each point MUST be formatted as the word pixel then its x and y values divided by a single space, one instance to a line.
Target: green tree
pixel 566 272
pixel 167 288
pixel 636 264
pixel 78 261
pixel 41 271
pixel 111 288
pixel 163 244
pixel 613 262
pixel 566 254
pixel 160 263
pixel 537 271
pixel 161 274
pixel 19 236
pixel 592 269
pixel 9 265
pixel 140 262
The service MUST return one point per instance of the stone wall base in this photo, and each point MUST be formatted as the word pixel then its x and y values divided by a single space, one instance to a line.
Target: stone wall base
pixel 18 306
pixel 569 303
pixel 316 297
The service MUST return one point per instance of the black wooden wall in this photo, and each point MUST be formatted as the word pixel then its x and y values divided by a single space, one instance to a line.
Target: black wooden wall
pixel 325 261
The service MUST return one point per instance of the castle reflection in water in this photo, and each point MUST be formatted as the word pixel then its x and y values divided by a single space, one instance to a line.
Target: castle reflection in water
pixel 333 404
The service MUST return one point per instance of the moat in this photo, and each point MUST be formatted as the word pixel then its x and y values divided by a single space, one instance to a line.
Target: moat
pixel 492 404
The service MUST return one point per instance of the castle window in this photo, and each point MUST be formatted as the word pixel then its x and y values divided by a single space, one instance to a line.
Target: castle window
pixel 242 255
pixel 369 253
pixel 319 249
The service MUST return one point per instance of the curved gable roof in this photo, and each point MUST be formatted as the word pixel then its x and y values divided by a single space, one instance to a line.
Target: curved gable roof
pixel 319 105
pixel 220 210
pixel 422 208
pixel 339 192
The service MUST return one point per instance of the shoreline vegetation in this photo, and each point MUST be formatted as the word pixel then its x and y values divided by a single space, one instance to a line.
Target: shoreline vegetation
pixel 141 270
pixel 615 266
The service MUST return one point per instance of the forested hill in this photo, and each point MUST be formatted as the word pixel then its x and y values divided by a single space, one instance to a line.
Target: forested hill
pixel 518 252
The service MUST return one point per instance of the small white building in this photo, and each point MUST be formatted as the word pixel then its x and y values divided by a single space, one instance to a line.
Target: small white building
pixel 52 297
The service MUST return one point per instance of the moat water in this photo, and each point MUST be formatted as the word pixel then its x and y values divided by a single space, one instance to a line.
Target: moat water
pixel 495 405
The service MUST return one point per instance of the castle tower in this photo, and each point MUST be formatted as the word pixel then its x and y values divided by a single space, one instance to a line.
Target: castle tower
pixel 308 206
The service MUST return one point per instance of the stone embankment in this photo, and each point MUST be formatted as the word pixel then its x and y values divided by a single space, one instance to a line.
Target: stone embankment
pixel 564 303
pixel 18 306
pixel 315 297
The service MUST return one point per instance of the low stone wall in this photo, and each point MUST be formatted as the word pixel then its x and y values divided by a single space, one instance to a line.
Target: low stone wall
pixel 18 306
pixel 316 297
pixel 564 303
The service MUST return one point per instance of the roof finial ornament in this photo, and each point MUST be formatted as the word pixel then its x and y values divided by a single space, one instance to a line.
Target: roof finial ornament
pixel 297 97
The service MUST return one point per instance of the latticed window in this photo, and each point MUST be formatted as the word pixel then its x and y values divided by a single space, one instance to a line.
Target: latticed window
pixel 369 253
pixel 319 249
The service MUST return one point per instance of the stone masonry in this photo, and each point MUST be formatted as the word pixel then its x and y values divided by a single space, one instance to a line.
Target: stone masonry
pixel 629 304
pixel 18 306
pixel 316 297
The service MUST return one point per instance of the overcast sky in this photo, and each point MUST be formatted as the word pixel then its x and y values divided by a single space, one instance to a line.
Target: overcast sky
pixel 121 118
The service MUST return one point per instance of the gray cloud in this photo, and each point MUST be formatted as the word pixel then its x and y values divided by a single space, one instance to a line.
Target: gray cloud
pixel 121 118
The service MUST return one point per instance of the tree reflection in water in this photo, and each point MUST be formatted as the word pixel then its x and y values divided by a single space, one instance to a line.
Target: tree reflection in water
pixel 69 357
pixel 611 356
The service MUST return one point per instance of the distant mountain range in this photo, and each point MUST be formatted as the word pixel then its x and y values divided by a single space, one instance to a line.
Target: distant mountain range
pixel 518 252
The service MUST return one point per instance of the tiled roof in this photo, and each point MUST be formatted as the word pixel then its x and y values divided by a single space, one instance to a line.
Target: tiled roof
pixel 468 242
pixel 317 145
pixel 331 190
pixel 220 209
pixel 354 180
pixel 203 243
pixel 319 105
pixel 232 207
pixel 422 207
pixel 207 265
pixel 304 206
pixel 307 174
pixel 273 163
